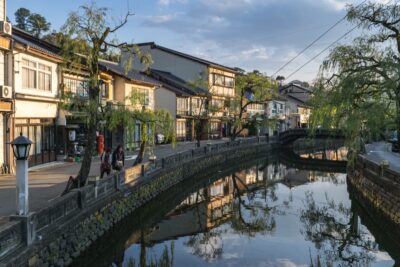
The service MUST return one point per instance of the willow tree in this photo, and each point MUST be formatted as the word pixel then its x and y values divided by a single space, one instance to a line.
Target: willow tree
pixel 150 121
pixel 202 112
pixel 91 26
pixel 358 88
pixel 250 88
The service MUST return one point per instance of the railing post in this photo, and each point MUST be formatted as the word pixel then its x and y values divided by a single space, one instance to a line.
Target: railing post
pixel 142 170
pixel 28 227
pixel 163 163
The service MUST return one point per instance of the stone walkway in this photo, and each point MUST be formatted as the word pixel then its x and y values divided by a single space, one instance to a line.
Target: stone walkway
pixel 383 151
pixel 48 182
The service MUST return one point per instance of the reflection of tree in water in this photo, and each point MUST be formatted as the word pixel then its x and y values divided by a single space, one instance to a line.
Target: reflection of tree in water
pixel 166 259
pixel 250 214
pixel 335 232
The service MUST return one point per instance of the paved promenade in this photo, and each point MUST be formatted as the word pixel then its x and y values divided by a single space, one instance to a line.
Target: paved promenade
pixel 382 151
pixel 48 182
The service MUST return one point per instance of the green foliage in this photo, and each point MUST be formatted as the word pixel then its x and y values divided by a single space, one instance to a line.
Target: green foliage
pixel 250 88
pixel 31 22
pixel 358 88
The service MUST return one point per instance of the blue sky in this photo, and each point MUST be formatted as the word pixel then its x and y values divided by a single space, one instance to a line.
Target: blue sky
pixel 250 34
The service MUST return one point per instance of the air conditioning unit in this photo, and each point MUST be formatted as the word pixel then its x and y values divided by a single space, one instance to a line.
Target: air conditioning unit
pixel 5 28
pixel 5 91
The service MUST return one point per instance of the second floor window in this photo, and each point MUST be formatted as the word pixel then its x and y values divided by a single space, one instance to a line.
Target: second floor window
pixel 182 105
pixel 142 96
pixel 76 87
pixel 36 75
pixel 222 80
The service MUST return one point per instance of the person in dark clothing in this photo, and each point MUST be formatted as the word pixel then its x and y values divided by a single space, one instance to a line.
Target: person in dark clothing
pixel 118 158
pixel 105 166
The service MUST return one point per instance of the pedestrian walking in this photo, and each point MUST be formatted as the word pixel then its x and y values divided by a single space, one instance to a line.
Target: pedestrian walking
pixel 105 159
pixel 118 158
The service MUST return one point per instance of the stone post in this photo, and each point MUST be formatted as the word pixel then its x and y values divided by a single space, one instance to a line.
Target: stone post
pixel 28 227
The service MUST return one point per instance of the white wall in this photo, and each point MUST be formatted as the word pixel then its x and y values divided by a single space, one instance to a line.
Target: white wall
pixel 2 10
pixel 35 109
pixel 18 76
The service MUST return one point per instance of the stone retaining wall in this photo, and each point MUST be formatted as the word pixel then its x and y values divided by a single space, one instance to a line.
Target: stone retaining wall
pixel 62 231
pixel 378 185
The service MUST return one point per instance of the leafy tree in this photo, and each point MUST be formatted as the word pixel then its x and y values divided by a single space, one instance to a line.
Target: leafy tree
pixel 250 88
pixel 31 22
pixel 150 121
pixel 201 113
pixel 90 24
pixel 38 24
pixel 358 89
pixel 21 18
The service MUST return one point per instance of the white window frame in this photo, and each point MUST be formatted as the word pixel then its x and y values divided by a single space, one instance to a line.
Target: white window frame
pixel 47 70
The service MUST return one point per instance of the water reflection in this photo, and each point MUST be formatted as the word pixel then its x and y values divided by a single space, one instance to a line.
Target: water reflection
pixel 265 213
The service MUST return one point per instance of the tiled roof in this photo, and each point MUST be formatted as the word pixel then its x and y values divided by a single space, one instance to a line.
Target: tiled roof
pixel 176 84
pixel 187 56
pixel 130 75
pixel 28 39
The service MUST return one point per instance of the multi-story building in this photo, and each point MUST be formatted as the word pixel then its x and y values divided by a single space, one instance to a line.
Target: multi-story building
pixel 217 80
pixel 297 101
pixel 36 81
pixel 6 90
pixel 128 84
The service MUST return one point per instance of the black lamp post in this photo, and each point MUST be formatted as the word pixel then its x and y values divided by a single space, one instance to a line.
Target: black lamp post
pixel 21 146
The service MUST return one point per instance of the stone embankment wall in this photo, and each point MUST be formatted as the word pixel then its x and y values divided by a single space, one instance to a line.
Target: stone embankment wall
pixel 378 188
pixel 62 231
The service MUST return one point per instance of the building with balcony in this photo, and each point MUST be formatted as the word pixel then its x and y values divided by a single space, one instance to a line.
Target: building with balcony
pixel 217 80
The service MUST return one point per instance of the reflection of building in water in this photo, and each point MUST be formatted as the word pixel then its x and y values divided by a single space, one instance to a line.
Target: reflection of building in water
pixel 328 154
pixel 208 207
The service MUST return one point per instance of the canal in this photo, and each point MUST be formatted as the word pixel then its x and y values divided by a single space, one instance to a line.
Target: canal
pixel 266 212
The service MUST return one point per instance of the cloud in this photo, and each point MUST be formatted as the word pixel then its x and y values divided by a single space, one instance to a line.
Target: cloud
pixel 253 34
pixel 168 2
pixel 158 20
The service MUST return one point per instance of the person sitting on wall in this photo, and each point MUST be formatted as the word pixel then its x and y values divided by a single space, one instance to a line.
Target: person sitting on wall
pixel 118 158
pixel 105 159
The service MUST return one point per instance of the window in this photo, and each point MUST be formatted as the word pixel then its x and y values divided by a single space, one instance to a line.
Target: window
pixel 180 129
pixel 104 89
pixel 182 106
pixel 36 75
pixel 77 87
pixel 142 96
pixel 222 80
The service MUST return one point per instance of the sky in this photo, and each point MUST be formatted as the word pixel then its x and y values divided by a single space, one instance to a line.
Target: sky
pixel 249 34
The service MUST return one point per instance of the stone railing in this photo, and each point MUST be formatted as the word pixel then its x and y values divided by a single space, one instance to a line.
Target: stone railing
pixel 113 197
pixel 379 184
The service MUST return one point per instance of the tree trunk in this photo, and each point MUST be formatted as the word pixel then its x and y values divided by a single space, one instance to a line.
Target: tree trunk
pixel 140 156
pixel 398 120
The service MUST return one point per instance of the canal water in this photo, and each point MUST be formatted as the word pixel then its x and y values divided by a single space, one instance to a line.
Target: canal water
pixel 262 213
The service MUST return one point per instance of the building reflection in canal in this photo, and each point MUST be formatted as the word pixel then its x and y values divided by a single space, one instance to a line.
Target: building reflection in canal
pixel 264 215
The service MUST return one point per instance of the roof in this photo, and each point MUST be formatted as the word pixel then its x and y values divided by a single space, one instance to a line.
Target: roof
pixel 175 84
pixel 153 45
pixel 28 39
pixel 130 75
pixel 295 85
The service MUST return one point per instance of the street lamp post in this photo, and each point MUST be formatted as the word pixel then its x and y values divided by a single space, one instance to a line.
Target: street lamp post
pixel 21 146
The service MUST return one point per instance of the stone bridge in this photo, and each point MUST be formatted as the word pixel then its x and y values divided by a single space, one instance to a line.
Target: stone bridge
pixel 289 136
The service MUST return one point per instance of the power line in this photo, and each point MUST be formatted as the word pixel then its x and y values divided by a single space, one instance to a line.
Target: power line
pixel 329 46
pixel 317 55
pixel 313 42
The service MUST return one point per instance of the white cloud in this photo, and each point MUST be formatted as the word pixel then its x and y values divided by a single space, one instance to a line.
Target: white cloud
pixel 168 2
pixel 259 52
pixel 157 20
